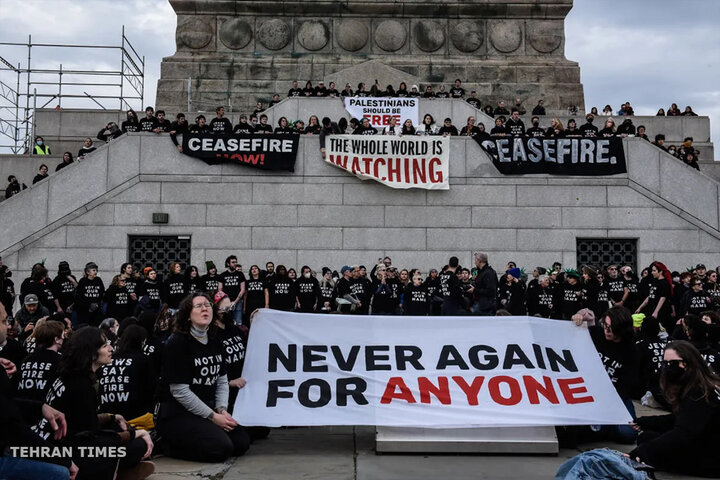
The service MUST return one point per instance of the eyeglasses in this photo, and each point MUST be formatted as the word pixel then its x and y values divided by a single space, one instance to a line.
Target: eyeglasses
pixel 608 328
pixel 200 306
pixel 697 284
pixel 667 363
pixel 612 268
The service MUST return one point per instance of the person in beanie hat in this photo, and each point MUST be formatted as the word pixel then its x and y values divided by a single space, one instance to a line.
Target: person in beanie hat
pixel 533 284
pixel 149 292
pixel 211 281
pixel 88 298
pixel 568 296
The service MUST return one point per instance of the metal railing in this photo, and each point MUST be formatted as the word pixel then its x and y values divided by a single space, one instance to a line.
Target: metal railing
pixel 77 87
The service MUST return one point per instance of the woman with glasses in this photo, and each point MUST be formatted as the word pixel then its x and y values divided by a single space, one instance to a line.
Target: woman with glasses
pixel 193 417
pixel 686 440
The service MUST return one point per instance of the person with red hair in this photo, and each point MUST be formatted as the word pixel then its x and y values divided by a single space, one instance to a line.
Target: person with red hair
pixel 657 304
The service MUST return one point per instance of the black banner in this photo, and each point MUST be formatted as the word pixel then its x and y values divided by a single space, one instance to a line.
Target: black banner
pixel 269 152
pixel 561 156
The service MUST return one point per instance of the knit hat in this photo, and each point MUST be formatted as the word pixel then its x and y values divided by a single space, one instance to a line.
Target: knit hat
pixel 326 270
pixel 64 268
pixel 209 265
pixel 90 266
pixel 344 269
pixel 515 272
pixel 147 270
pixel 541 270
pixel 219 296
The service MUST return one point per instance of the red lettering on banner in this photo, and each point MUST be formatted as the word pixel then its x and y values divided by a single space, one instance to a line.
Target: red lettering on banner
pixel 376 167
pixel 569 393
pixel 435 176
pixel 533 387
pixel 407 169
pixel 367 161
pixel 403 394
pixel 393 170
pixel 471 391
pixel 419 172
pixel 355 165
pixel 494 388
pixel 381 119
pixel 441 391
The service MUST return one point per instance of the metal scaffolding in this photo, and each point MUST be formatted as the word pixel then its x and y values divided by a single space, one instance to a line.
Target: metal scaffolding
pixel 79 87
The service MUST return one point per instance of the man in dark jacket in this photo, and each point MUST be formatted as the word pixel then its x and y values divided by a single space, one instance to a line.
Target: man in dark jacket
pixel 485 287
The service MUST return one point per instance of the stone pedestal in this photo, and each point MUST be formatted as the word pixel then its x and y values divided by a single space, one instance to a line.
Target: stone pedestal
pixel 238 52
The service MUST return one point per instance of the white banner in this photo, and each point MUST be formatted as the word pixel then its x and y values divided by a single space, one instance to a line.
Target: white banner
pixel 398 162
pixel 314 369
pixel 380 110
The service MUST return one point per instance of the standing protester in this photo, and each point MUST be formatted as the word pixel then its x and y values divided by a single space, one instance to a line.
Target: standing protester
pixel 199 126
pixel 382 298
pixel 163 124
pixel 254 293
pixel 514 125
pixel 193 418
pixel 220 124
pixel 589 130
pixel 539 300
pixel 10 348
pixel 131 285
pixel 243 127
pixel 174 287
pixel 211 282
pixel 39 284
pixel 457 91
pixel 179 126
pixel 233 283
pixel 295 91
pixel 327 290
pixel 117 299
pixel 279 291
pixel 568 296
pixel 657 303
pixel 485 286
pixel 450 289
pixel 88 296
pixel 345 300
pixel 416 301
pixel 307 291
pixel 539 108
pixel 148 123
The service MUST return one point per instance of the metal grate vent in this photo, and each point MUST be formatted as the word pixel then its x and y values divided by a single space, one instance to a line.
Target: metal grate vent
pixel 159 252
pixel 600 252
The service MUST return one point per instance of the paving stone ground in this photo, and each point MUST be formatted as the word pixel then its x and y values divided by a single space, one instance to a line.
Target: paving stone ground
pixel 348 453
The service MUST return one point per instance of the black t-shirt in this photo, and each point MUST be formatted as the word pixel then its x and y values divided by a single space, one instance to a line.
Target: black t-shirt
pixel 164 126
pixel 255 294
pixel 281 293
pixel 244 128
pixel 233 350
pixel 589 130
pixel 539 301
pixel 450 288
pixel 174 289
pixel 382 300
pixel 130 126
pixel 567 301
pixel 75 396
pixel 195 128
pixel 308 292
pixel 189 362
pixel 475 102
pixel 37 372
pixel 615 288
pixel 514 128
pixel 117 301
pixel 152 291
pixel 620 361
pixel 697 302
pixel 535 132
pixel 442 94
pixel 295 92
pixel 457 92
pixel 209 283
pixel 451 130
pixel 89 294
pixel 43 291
pixel 498 130
pixel 416 300
pixel 263 128
pixel 13 351
pixel 650 354
pixel 220 125
pixel 232 282
pixel 148 124
pixel 127 385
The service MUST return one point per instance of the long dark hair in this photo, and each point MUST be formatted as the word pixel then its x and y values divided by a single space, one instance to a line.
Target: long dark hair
pixel 698 375
pixel 131 340
pixel 621 323
pixel 181 321
pixel 80 351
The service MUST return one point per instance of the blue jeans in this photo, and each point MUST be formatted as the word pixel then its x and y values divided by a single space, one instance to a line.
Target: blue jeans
pixel 601 463
pixel 25 469
pixel 622 433
pixel 237 315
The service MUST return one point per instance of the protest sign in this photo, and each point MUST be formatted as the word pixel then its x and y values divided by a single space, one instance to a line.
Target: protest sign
pixel 562 156
pixel 269 152
pixel 314 369
pixel 380 110
pixel 398 162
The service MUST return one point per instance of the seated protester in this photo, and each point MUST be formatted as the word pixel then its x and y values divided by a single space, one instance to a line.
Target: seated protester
pixel 686 147
pixel 428 92
pixel 539 300
pixel 243 127
pixel 258 108
pixel 685 440
pixel 131 124
pixel 402 91
pixel 74 394
pixel 109 132
pixel 366 129
pixel 298 127
pixel 470 129
pixel 660 141
pixel 441 93
pixel 697 334
pixel 448 129
pixel 539 108
pixel 313 126
pixel 556 129
pixel 280 291
pixel 67 160
pixel 414 92
pixel 275 100
pixel 650 347
pixel 283 127
pixel 42 174
pixel 308 91
pixel 307 291
pixel 514 125
pixel 572 131
pixel 110 327
pixel 263 126
pixel 691 160
pixel 88 297
pixel 220 124
pixel 178 127
pixel 473 100
pixel 127 383
pixel 31 311
pixel 674 111
pixel 13 187
pixel 117 299
pixel 148 123
pixel 253 121
pixel 488 110
pixel 589 130
pixel 10 348
pixel 347 91
pixel 519 107
pixel 163 124
pixel 416 299
pixel 39 369
pixel 211 282
pixel 149 293
pixel 641 133
pixel 609 129
pixel 428 126
pixel 320 90
pixel 499 128
pixel 626 128
pixel 407 128
pixel 39 284
pixel 535 131
pixel 393 128
pixel 294 90
pixel 192 417
pixel 199 126
pixel 40 148
pixel 457 91
pixel 352 126
pixel 87 147
pixel 174 287
pixel 254 293
pixel 500 109
pixel 332 91
pixel 689 112
pixel 660 112
pixel 614 342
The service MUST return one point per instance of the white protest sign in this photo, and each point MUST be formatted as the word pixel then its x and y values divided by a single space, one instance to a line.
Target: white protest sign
pixel 380 110
pixel 315 369
pixel 398 162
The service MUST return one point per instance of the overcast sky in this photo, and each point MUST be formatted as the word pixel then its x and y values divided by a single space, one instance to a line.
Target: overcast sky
pixel 650 52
